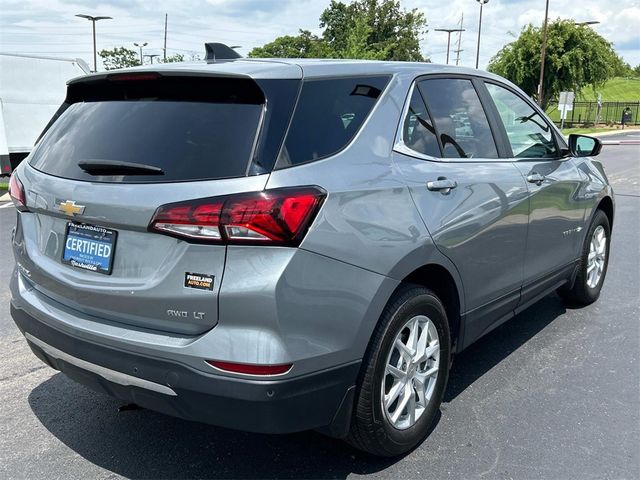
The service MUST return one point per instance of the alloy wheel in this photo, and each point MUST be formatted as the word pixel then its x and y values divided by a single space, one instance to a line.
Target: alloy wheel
pixel 411 372
pixel 597 257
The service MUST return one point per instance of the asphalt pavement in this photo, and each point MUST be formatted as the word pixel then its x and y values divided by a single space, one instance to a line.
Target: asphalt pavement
pixel 554 393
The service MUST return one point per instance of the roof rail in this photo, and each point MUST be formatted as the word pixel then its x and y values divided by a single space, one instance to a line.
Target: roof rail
pixel 220 51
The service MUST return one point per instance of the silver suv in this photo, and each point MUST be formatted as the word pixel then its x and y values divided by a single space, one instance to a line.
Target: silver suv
pixel 282 245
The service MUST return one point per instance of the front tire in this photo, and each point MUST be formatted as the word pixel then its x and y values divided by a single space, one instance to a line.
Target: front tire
pixel 404 374
pixel 594 261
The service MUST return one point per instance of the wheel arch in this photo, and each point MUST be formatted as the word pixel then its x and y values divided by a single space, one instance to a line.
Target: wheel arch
pixel 438 279
pixel 606 205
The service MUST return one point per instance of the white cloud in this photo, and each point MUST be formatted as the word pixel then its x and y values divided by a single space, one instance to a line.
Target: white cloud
pixel 49 26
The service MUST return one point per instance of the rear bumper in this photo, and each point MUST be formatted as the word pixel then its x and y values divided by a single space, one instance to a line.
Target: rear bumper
pixel 321 400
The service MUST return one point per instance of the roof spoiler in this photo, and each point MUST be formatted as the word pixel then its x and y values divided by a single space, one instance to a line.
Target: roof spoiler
pixel 220 51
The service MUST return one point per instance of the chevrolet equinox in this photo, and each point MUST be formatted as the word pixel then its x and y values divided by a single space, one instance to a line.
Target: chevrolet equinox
pixel 283 245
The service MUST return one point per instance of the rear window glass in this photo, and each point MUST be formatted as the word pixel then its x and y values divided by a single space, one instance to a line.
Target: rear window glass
pixel 186 140
pixel 177 128
pixel 328 115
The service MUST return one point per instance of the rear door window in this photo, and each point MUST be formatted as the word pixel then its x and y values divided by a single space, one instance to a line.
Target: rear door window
pixel 418 133
pixel 459 118
pixel 328 115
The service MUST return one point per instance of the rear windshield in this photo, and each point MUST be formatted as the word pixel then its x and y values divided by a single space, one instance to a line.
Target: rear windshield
pixel 328 115
pixel 198 130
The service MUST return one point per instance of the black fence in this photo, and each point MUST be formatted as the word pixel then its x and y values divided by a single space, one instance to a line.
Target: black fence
pixel 584 113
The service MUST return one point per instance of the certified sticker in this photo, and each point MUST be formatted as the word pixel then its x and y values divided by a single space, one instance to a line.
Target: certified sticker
pixel 200 281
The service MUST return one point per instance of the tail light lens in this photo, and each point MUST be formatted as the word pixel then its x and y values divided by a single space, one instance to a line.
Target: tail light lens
pixel 16 192
pixel 270 217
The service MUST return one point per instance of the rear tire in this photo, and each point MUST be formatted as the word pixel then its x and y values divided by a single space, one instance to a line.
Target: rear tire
pixel 594 261
pixel 382 425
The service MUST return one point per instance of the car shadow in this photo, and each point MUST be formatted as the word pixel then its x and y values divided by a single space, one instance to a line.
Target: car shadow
pixel 144 444
pixel 498 344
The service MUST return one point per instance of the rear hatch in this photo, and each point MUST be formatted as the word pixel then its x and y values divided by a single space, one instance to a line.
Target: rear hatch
pixel 121 147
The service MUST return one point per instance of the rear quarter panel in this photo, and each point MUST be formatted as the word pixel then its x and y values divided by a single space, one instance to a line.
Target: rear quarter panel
pixel 369 219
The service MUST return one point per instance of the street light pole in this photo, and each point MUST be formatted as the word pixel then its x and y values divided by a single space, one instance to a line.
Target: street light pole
pixel 543 54
pixel 482 3
pixel 449 32
pixel 140 45
pixel 93 21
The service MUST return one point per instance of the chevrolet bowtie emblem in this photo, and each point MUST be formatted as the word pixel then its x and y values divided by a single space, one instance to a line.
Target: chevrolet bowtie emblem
pixel 70 208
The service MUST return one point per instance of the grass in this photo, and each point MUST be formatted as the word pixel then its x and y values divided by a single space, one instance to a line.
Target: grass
pixel 586 131
pixel 617 89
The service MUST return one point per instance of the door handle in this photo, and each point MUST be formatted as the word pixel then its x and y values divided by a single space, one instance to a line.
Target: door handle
pixel 442 185
pixel 535 178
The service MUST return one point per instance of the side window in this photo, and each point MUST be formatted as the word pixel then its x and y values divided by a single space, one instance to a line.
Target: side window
pixel 417 132
pixel 529 134
pixel 328 115
pixel 459 118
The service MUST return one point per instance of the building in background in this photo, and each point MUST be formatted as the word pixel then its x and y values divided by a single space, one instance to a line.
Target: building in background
pixel 32 88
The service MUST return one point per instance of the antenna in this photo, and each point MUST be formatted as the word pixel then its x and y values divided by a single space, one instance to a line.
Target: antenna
pixel 220 51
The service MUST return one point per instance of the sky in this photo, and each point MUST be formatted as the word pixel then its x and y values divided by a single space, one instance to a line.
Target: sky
pixel 50 26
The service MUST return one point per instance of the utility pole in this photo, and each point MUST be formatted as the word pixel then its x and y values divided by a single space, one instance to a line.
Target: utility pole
pixel 449 32
pixel 140 45
pixel 482 3
pixel 166 16
pixel 151 57
pixel 459 39
pixel 93 20
pixel 543 53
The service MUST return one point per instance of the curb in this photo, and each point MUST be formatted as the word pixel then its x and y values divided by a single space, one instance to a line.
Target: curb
pixel 5 197
pixel 615 132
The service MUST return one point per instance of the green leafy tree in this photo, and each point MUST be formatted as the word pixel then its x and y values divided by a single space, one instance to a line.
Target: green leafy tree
pixel 358 46
pixel 576 57
pixel 176 57
pixel 636 71
pixel 119 57
pixel 393 32
pixel 303 45
pixel 369 29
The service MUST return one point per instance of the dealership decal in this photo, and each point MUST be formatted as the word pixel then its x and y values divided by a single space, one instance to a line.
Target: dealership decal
pixel 200 281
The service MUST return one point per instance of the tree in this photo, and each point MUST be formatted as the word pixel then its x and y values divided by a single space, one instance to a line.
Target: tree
pixel 576 57
pixel 303 45
pixel 393 32
pixel 358 46
pixel 119 57
pixel 371 29
pixel 176 57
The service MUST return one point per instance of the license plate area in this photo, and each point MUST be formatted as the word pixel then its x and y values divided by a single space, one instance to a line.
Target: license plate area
pixel 89 247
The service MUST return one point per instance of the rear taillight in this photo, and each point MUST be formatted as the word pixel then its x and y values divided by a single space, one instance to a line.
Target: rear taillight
pixel 270 217
pixel 16 191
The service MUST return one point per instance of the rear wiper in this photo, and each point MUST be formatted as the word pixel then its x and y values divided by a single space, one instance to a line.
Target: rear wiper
pixel 116 167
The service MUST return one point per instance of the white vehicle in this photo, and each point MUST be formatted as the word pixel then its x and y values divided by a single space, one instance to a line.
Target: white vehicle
pixel 32 88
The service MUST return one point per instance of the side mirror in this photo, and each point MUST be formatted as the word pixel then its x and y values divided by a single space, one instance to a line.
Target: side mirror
pixel 584 146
